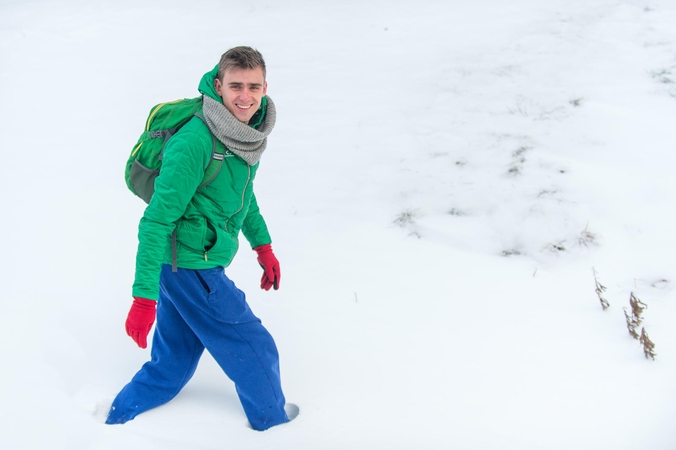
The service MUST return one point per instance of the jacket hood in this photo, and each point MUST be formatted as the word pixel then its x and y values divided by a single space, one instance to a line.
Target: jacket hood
pixel 206 87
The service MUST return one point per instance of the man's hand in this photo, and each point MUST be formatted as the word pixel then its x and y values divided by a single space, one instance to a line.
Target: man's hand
pixel 271 272
pixel 140 320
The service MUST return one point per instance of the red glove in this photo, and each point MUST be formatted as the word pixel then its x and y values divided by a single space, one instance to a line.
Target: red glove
pixel 271 272
pixel 140 320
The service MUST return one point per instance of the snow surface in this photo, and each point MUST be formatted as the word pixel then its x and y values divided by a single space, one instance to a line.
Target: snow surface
pixel 443 177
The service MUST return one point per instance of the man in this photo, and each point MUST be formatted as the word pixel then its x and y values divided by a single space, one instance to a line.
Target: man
pixel 188 234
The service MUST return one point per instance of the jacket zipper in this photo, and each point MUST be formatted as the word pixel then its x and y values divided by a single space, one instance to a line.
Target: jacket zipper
pixel 248 177
pixel 155 111
pixel 150 119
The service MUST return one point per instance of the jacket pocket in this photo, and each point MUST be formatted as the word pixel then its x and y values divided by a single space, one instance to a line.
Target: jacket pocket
pixel 224 248
pixel 191 233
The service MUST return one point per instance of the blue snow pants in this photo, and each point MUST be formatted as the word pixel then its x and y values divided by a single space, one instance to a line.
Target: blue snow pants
pixel 201 309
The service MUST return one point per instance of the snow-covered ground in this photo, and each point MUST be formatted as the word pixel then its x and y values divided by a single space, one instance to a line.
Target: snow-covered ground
pixel 443 179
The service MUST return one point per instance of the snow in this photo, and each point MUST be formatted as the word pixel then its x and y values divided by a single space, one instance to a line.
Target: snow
pixel 442 180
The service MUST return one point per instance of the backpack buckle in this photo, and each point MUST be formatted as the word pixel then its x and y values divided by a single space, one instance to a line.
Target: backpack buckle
pixel 157 134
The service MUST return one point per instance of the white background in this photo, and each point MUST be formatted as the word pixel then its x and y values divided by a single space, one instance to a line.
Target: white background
pixel 443 177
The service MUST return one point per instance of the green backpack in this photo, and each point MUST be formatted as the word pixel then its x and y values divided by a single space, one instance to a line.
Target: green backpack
pixel 145 161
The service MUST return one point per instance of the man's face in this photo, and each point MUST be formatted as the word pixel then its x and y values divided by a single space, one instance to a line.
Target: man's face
pixel 242 91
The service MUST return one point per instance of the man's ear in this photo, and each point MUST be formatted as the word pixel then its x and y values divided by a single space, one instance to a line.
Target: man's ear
pixel 265 87
pixel 218 86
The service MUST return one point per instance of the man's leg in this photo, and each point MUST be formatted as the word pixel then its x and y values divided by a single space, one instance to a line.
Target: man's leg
pixel 176 350
pixel 252 362
pixel 245 350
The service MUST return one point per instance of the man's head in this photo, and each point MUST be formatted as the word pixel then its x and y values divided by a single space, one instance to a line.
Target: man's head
pixel 241 81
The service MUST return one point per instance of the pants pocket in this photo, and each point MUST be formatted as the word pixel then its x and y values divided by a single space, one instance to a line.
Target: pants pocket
pixel 226 302
pixel 202 281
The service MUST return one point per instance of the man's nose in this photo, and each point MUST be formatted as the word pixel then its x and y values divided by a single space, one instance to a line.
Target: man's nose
pixel 245 94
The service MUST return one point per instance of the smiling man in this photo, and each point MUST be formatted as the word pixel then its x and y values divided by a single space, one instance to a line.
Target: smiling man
pixel 241 90
pixel 187 236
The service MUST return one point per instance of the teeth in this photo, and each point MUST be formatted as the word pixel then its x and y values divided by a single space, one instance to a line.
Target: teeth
pixel 244 107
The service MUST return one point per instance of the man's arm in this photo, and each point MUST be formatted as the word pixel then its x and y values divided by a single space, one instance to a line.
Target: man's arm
pixel 256 232
pixel 183 163
pixel 183 166
pixel 254 228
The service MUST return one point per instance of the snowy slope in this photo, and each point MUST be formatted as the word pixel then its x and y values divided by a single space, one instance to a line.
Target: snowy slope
pixel 442 179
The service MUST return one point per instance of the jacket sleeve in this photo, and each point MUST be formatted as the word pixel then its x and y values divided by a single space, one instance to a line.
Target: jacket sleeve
pixel 254 228
pixel 183 162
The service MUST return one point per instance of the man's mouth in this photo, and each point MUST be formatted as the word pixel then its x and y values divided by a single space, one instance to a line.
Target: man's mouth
pixel 244 106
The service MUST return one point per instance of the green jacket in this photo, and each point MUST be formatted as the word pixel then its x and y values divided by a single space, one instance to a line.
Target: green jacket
pixel 207 221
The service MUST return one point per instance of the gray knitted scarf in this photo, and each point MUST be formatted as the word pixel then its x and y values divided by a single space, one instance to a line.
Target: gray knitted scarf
pixel 241 139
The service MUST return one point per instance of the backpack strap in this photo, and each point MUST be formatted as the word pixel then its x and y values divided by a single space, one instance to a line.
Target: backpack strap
pixel 174 252
pixel 164 135
pixel 212 170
